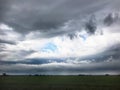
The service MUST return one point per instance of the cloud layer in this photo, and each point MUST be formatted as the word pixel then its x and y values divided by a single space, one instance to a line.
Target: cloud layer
pixel 59 37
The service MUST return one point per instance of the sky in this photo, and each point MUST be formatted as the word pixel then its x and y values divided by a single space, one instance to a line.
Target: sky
pixel 60 37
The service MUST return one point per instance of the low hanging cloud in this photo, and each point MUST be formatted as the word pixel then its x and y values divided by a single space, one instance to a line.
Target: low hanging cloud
pixel 6 42
pixel 63 68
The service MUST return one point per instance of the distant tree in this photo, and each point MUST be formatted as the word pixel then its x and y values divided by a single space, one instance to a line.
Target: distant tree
pixel 36 75
pixel 4 74
pixel 106 74
pixel 118 74
pixel 29 75
pixel 81 75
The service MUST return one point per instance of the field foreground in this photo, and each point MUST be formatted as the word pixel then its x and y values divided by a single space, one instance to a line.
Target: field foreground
pixel 59 82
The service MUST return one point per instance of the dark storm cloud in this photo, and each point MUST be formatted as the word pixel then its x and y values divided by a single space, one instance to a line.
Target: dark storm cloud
pixel 3 8
pixel 46 16
pixel 91 26
pixel 72 36
pixel 94 68
pixel 25 52
pixel 111 53
pixel 111 18
pixel 6 42
pixel 6 55
pixel 33 61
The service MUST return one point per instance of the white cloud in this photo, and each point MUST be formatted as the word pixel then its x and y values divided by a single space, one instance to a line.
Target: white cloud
pixel 5 27
pixel 9 33
pixel 78 47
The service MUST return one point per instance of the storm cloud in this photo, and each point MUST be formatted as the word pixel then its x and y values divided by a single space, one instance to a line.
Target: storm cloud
pixel 45 15
pixel 111 18
pixel 7 42
pixel 59 36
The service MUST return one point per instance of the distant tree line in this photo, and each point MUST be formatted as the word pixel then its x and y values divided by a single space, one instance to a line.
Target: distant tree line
pixel 5 74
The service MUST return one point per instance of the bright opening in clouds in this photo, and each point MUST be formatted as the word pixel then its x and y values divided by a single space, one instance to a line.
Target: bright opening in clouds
pixel 62 37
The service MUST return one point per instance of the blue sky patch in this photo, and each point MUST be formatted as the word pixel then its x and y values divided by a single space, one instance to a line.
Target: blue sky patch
pixel 49 47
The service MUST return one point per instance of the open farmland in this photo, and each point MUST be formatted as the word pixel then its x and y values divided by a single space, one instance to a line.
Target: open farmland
pixel 59 82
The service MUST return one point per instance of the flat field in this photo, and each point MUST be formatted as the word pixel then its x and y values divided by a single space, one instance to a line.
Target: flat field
pixel 59 82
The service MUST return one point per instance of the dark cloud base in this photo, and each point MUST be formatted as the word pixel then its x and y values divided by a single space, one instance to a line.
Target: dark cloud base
pixel 111 68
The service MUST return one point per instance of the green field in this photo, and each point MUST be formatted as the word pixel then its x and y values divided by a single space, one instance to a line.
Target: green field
pixel 59 82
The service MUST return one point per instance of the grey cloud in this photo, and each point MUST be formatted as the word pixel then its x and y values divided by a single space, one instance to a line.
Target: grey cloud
pixel 45 15
pixel 25 52
pixel 112 52
pixel 22 53
pixel 3 8
pixel 91 26
pixel 33 61
pixel 72 36
pixel 7 42
pixel 62 69
pixel 2 47
pixel 111 18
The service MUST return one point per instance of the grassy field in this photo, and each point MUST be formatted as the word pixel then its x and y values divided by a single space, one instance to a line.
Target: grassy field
pixel 59 82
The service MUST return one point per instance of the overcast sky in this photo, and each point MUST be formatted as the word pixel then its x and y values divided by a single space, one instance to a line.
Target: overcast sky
pixel 63 37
